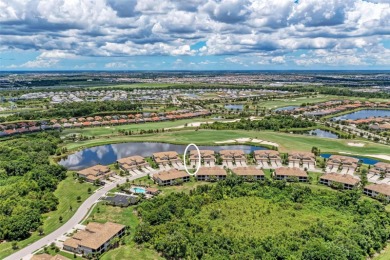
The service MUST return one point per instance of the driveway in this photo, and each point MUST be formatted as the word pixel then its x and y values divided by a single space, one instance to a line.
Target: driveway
pixel 26 253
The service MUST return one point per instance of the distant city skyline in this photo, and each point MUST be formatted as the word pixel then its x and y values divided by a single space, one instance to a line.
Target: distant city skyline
pixel 195 35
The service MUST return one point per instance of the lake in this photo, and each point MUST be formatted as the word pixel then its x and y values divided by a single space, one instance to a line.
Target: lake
pixel 362 114
pixel 363 159
pixel 234 107
pixel 288 108
pixel 323 133
pixel 108 154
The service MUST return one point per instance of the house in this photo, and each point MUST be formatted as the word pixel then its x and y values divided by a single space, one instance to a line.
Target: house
pixel 233 156
pixel 97 172
pixel 132 163
pixel 289 174
pixel 347 164
pixel 207 157
pixel 249 173
pixel 94 239
pixel 211 174
pixel 48 257
pixel 268 158
pixel 347 181
pixel 381 168
pixel 374 190
pixel 170 177
pixel 302 159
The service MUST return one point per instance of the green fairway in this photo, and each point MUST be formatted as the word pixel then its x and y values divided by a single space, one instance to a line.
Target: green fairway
pixel 287 142
pixel 112 130
pixel 67 192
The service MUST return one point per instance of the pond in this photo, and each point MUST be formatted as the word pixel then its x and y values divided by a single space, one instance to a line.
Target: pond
pixel 362 114
pixel 323 133
pixel 234 107
pixel 363 159
pixel 108 154
pixel 288 108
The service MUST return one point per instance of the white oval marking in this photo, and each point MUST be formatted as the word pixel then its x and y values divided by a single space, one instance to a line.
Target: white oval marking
pixel 184 159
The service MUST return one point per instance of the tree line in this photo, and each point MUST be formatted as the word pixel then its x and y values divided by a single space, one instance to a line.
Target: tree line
pixel 27 183
pixel 172 224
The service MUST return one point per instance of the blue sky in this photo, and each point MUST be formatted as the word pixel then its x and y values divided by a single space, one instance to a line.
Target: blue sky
pixel 194 34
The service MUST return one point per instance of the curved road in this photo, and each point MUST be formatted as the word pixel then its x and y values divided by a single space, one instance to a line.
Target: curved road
pixel 26 253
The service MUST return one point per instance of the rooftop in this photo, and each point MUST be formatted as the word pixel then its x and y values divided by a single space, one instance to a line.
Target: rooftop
pixel 216 171
pixel 293 172
pixel 341 178
pixel 94 235
pixel 170 175
pixel 380 188
pixel 251 170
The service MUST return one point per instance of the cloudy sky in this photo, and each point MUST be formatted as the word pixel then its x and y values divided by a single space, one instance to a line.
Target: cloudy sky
pixel 194 34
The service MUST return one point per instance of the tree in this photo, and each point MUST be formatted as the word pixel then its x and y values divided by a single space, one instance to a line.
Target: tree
pixel 60 219
pixel 78 198
pixel 40 231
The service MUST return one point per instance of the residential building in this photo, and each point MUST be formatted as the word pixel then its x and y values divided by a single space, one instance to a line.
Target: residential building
pixel 374 190
pixel 166 158
pixel 132 162
pixel 268 158
pixel 95 238
pixel 347 164
pixel 230 157
pixel 302 159
pixel 249 173
pixel 211 174
pixel 347 181
pixel 289 174
pixel 381 168
pixel 170 177
pixel 207 157
pixel 97 172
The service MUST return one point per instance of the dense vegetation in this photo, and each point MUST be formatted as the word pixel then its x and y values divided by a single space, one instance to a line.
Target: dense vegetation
pixel 236 220
pixel 275 122
pixel 75 109
pixel 27 182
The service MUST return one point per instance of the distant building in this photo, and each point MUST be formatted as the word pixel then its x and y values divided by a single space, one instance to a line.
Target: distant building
pixel 95 238
pixel 122 200
pixel 233 156
pixel 210 174
pixel 347 164
pixel 170 177
pixel 302 159
pixel 268 158
pixel 348 182
pixel 165 158
pixel 249 173
pixel 289 174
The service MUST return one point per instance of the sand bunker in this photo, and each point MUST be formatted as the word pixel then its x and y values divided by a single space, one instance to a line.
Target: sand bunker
pixel 356 144
pixel 380 156
pixel 247 140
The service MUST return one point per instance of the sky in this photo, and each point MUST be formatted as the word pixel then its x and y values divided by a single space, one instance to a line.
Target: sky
pixel 194 34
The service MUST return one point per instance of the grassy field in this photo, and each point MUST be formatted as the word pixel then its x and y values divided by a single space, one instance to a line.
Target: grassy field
pixel 385 254
pixel 67 193
pixel 103 213
pixel 287 142
pixel 257 217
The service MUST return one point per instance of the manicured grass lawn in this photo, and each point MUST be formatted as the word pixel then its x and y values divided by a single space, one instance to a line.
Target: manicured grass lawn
pixel 287 142
pixel 385 255
pixel 112 130
pixel 103 213
pixel 67 193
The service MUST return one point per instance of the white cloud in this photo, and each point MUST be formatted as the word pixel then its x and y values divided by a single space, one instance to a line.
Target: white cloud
pixel 69 29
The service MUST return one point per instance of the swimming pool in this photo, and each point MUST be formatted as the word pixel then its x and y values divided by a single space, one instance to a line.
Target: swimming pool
pixel 138 190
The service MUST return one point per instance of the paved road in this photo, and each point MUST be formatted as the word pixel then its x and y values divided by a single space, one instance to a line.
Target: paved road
pixel 82 211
